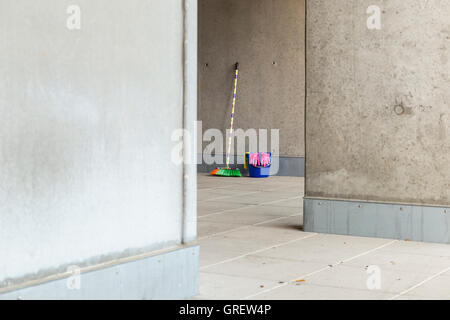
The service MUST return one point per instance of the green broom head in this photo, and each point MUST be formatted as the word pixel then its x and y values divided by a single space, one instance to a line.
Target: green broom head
pixel 227 172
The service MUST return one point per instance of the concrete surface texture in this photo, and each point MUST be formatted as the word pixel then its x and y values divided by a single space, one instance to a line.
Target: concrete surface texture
pixel 377 101
pixel 85 150
pixel 267 38
pixel 252 247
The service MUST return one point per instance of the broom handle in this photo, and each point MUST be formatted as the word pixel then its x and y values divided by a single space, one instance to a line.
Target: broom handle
pixel 232 114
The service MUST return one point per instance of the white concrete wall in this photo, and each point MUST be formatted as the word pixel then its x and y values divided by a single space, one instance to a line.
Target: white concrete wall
pixel 85 132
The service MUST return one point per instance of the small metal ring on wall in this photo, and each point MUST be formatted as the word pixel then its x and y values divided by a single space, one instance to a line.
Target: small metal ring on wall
pixel 399 109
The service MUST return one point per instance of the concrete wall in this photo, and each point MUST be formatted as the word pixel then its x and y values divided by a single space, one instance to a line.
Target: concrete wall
pixel 267 38
pixel 85 133
pixel 377 102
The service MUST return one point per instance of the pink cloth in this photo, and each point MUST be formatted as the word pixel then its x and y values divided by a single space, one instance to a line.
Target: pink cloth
pixel 265 159
pixel 254 159
pixel 260 159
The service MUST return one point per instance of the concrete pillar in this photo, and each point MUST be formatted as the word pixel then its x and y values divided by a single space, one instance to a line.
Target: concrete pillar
pixel 377 147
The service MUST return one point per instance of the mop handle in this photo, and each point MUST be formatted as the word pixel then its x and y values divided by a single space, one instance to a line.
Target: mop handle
pixel 232 114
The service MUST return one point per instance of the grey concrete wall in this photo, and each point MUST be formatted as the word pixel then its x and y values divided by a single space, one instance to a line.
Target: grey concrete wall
pixel 267 38
pixel 85 133
pixel 377 101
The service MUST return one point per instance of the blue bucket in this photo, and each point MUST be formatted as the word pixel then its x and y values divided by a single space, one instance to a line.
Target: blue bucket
pixel 257 172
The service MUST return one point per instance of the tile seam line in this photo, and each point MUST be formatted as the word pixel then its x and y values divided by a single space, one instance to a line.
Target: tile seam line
pixel 240 194
pixel 234 276
pixel 248 206
pixel 307 285
pixel 248 226
pixel 420 284
pixel 259 251
pixel 241 183
pixel 224 187
pixel 229 196
pixel 322 269
pixel 220 188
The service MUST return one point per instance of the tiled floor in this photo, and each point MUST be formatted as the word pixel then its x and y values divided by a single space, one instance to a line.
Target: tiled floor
pixel 253 247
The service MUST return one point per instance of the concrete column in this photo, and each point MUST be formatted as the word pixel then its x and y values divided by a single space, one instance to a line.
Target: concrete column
pixel 377 147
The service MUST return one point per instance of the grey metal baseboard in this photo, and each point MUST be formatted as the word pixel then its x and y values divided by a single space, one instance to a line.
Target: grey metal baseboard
pixel 169 275
pixel 379 220
pixel 288 166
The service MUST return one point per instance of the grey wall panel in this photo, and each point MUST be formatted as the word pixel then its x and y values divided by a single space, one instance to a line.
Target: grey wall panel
pixel 382 220
pixel 171 275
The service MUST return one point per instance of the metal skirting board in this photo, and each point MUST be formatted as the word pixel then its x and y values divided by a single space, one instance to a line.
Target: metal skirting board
pixel 288 166
pixel 169 275
pixel 378 220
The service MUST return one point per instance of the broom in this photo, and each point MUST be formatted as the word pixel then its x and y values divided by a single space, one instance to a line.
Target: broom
pixel 227 171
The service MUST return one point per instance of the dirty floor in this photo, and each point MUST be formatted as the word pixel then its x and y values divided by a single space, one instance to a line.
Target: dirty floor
pixel 253 247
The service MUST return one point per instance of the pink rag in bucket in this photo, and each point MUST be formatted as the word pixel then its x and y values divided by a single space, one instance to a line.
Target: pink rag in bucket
pixel 265 159
pixel 260 159
pixel 254 159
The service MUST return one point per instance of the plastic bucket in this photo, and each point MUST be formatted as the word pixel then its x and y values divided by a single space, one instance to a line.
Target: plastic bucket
pixel 257 172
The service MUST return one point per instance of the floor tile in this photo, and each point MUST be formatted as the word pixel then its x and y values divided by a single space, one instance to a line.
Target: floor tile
pixel 258 197
pixel 294 223
pixel 422 248
pixel 265 268
pixel 210 207
pixel 236 216
pixel 208 228
pixel 296 203
pixel 217 249
pixel 270 236
pixel 271 210
pixel 437 288
pixel 391 281
pixel 328 249
pixel 250 231
pixel 311 292
pixel 389 259
pixel 222 287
